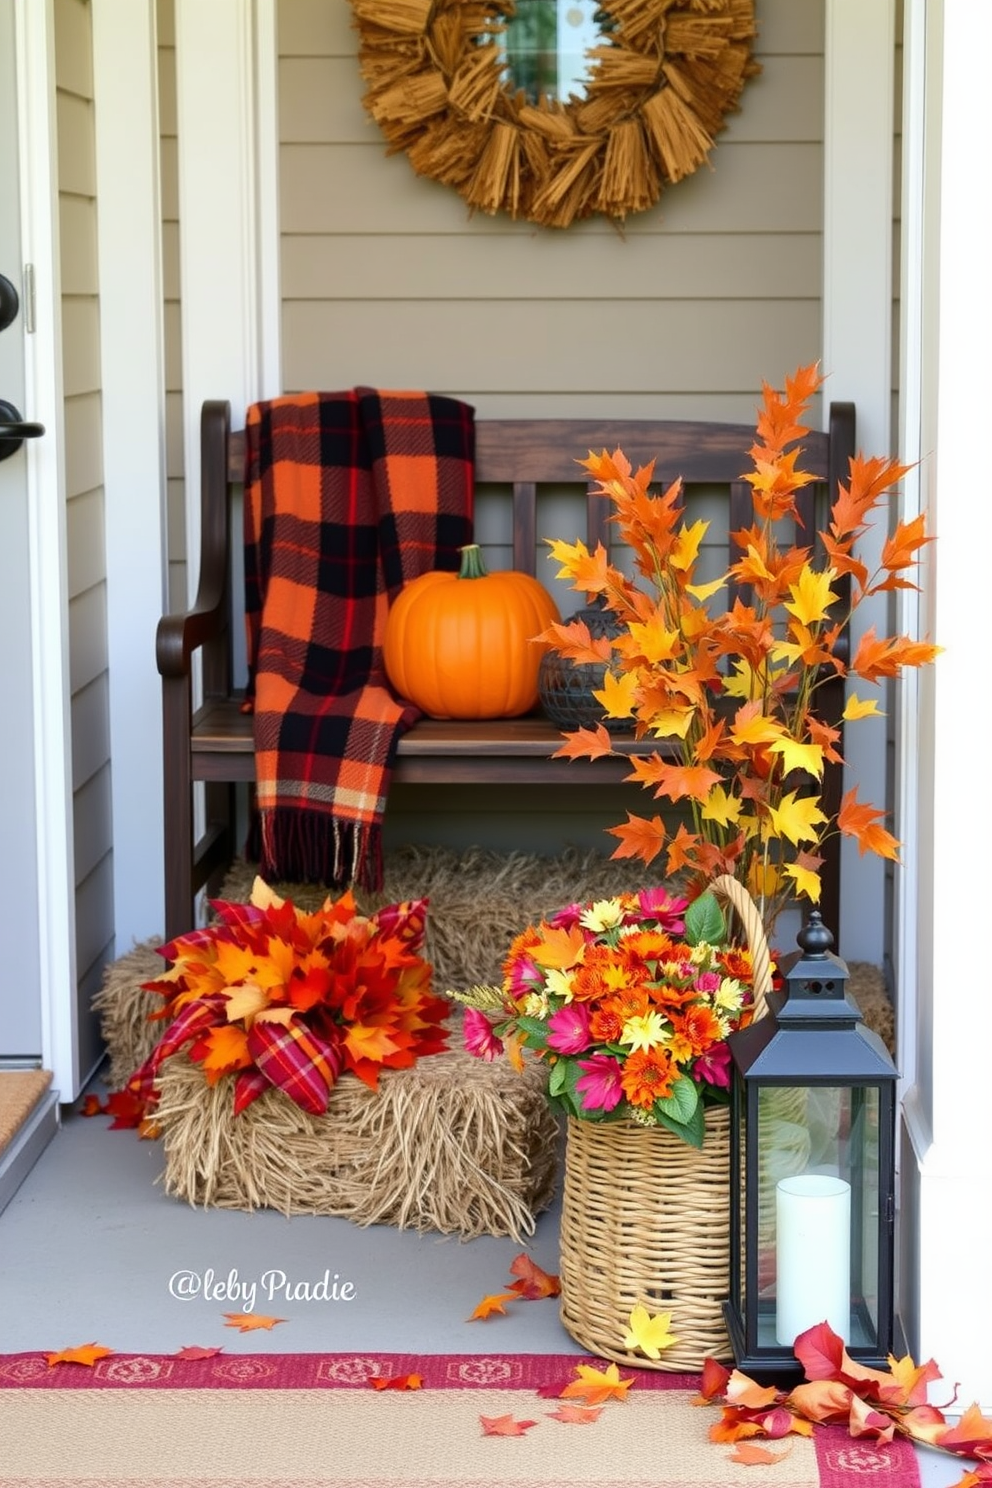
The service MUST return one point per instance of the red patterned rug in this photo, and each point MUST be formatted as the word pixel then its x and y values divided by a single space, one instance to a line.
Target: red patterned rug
pixel 322 1421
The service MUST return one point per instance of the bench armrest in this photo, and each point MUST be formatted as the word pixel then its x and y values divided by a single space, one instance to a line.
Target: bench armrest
pixel 179 635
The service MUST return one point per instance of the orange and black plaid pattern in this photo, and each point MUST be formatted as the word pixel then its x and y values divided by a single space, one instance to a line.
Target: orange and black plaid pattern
pixel 347 497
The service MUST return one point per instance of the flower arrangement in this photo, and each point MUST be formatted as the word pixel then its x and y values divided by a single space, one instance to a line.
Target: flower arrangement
pixel 730 693
pixel 630 1000
pixel 278 997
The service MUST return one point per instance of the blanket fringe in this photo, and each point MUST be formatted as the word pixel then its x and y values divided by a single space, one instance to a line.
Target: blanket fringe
pixel 312 848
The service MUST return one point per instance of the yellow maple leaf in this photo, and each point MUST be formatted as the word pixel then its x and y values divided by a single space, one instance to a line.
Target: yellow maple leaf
pixel 750 726
pixel 856 707
pixel 672 721
pixel 245 1002
pixel 797 817
pixel 812 595
pixel 796 756
pixel 805 880
pixel 685 549
pixel 720 807
pixel 703 592
pixel 649 1333
pixel 617 694
pixel 653 640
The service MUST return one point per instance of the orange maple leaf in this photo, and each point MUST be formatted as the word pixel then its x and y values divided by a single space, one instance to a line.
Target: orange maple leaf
pixel 971 1437
pixel 576 1415
pixel 492 1303
pixel 85 1353
pixel 595 1386
pixel 859 820
pixel 585 743
pixel 92 1106
pixel 639 838
pixel 249 1322
pixel 504 1426
pixel 559 947
pixel 221 1050
pixel 194 1351
pixel 533 1283
pixel 396 1381
pixel 751 1455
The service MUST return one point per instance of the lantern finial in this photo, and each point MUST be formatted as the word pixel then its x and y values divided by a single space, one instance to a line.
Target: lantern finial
pixel 814 938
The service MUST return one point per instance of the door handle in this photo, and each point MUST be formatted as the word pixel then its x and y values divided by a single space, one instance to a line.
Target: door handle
pixel 14 430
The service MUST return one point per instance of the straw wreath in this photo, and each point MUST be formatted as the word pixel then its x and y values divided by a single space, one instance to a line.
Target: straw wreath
pixel 660 86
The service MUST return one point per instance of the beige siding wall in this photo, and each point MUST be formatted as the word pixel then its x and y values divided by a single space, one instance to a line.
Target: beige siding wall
pixel 92 821
pixel 174 456
pixel 386 280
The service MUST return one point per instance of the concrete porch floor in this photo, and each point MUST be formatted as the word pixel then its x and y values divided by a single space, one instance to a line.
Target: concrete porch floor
pixel 94 1251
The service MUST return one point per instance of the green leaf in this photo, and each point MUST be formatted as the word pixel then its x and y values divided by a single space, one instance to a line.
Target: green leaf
pixel 558 1078
pixel 533 1027
pixel 704 921
pixel 682 1103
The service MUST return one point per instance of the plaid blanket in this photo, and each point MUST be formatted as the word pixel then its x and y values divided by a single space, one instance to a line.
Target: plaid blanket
pixel 347 497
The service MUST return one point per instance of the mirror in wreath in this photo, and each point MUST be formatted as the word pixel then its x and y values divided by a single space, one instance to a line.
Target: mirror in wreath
pixel 554 110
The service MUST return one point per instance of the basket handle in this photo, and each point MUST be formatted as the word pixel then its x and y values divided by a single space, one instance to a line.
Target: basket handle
pixel 737 895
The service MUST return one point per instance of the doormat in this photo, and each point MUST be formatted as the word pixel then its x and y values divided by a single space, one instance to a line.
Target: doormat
pixel 319 1421
pixel 20 1092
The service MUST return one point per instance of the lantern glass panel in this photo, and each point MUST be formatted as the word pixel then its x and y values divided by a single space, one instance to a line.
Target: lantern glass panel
pixel 818 1213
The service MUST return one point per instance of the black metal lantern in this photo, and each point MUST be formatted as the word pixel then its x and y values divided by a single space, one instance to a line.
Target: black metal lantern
pixel 812 1172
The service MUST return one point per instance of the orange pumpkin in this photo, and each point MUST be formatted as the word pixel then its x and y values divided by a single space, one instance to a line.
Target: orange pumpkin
pixel 461 645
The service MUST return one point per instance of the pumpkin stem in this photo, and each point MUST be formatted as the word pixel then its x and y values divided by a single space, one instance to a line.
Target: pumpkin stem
pixel 472 564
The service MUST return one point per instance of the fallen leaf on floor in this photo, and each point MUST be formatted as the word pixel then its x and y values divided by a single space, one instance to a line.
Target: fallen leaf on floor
pixel 248 1322
pixel 127 1110
pixel 596 1385
pixel 194 1351
pixel 504 1426
pixel 86 1353
pixel 92 1106
pixel 532 1282
pixel 576 1415
pixel 492 1304
pixel 754 1456
pixel 396 1381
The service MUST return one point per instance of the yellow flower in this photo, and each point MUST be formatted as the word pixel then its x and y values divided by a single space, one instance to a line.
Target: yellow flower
pixel 603 915
pixel 730 995
pixel 535 1005
pixel 643 1031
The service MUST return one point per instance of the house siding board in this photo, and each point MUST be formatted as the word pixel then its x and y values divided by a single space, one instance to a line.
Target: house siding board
pixel 177 586
pixel 387 279
pixel 85 507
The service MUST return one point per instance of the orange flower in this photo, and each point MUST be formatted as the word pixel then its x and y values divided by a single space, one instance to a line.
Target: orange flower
pixel 647 1076
pixel 699 1026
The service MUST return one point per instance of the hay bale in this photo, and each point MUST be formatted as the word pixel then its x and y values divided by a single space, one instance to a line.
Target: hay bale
pixel 453 1144
pixel 124 1008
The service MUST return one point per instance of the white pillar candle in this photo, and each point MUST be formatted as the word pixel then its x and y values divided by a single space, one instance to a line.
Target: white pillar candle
pixel 813 1255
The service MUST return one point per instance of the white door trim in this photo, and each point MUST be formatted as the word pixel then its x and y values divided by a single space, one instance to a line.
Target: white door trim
pixel 35 65
pixel 857 356
pixel 125 73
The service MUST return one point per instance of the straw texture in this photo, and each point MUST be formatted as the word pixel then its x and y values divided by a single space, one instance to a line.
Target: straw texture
pixel 453 1144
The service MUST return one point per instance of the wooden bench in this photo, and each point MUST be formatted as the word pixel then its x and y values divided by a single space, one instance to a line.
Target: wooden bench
pixel 213 744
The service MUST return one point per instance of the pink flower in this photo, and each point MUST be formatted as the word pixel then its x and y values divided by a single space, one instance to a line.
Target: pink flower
pixel 564 919
pixel 600 1085
pixel 659 905
pixel 708 981
pixel 569 1029
pixel 714 1066
pixel 479 1037
pixel 524 976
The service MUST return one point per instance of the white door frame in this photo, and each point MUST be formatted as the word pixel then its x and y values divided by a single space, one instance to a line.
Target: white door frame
pixel 37 150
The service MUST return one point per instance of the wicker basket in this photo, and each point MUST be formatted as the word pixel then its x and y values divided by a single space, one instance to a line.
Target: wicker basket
pixel 646 1218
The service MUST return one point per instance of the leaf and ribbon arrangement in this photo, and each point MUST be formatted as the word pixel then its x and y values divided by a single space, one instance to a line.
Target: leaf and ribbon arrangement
pixel 630 1001
pixel 281 998
pixel 729 686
